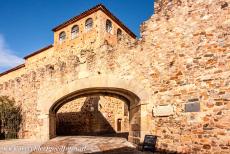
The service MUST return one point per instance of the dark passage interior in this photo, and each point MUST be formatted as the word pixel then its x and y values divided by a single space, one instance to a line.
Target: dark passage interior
pixel 93 115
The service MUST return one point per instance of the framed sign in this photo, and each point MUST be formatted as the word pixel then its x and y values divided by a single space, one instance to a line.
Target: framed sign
pixel 163 110
pixel 192 107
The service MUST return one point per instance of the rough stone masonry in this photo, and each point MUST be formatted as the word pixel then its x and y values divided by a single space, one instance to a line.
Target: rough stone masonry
pixel 181 63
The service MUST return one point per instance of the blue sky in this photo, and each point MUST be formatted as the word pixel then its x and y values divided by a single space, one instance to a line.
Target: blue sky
pixel 25 25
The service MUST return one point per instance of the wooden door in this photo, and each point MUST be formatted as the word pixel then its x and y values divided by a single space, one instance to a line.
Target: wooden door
pixel 118 125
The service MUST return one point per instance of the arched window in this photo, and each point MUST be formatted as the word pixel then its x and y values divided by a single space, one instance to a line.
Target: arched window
pixel 74 31
pixel 89 24
pixel 119 34
pixel 62 37
pixel 108 26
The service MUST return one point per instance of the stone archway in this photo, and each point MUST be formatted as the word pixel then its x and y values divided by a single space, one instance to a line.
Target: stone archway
pixel 50 102
pixel 94 115
pixel 131 98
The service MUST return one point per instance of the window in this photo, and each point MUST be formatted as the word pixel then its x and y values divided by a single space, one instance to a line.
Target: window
pixel 74 31
pixel 62 37
pixel 119 34
pixel 89 24
pixel 108 26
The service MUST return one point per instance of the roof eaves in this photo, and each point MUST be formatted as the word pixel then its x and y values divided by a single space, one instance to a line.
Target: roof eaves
pixel 90 11
pixel 12 69
pixel 78 17
pixel 106 11
pixel 39 51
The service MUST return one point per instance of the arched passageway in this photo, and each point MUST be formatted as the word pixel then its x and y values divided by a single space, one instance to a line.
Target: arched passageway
pixel 94 115
pixel 96 111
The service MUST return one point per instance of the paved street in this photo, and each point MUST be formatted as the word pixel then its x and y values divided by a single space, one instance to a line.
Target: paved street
pixel 73 145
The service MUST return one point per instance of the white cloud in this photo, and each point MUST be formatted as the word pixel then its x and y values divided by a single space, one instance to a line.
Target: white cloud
pixel 7 58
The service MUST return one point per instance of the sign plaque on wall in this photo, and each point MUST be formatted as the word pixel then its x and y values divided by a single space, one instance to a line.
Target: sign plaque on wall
pixel 192 107
pixel 163 110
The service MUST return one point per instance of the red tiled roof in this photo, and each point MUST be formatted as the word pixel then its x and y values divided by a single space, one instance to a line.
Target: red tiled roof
pixel 39 51
pixel 12 69
pixel 90 11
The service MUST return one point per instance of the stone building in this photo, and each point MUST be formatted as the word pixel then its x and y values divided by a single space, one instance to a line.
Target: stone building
pixel 174 79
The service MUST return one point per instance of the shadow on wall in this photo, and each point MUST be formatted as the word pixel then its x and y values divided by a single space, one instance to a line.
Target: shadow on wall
pixel 90 121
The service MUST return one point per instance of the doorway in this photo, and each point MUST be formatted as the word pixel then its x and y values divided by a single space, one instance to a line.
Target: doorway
pixel 119 125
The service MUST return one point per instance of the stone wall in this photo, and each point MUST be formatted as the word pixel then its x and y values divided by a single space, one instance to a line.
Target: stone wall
pixel 182 58
pixel 188 46
pixel 93 115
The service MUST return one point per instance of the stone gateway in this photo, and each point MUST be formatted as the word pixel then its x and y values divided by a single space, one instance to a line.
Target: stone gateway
pixel 97 74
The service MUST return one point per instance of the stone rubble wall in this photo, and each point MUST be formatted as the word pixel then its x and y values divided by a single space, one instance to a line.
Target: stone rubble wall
pixel 64 67
pixel 77 117
pixel 188 45
pixel 182 57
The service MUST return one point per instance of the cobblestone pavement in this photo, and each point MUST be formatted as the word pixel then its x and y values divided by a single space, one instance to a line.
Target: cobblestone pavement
pixel 74 145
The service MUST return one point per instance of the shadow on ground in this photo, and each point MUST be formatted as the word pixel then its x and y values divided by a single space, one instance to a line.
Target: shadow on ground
pixel 95 145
